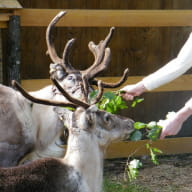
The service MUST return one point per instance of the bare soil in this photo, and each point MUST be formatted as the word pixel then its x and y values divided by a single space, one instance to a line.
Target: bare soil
pixel 173 174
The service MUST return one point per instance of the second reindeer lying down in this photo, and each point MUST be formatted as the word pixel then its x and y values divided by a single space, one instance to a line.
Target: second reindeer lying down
pixel 81 170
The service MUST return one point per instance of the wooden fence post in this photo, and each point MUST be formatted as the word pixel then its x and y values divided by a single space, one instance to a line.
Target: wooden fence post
pixel 13 50
pixel 1 58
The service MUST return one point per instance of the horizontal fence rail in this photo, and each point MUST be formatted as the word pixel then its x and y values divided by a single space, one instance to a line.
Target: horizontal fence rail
pixel 106 18
pixel 183 83
pixel 137 148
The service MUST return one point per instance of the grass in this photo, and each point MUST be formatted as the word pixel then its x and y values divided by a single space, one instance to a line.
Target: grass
pixel 112 186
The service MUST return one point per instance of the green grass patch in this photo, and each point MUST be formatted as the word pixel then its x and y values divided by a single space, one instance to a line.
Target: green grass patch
pixel 114 186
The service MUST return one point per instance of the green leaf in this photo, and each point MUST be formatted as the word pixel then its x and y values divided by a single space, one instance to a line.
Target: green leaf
pixel 154 133
pixel 136 101
pixel 109 109
pixel 123 106
pixel 118 100
pixel 156 150
pixel 134 104
pixel 139 100
pixel 151 124
pixel 139 125
pixel 147 145
pixel 70 108
pixel 153 153
pixel 136 135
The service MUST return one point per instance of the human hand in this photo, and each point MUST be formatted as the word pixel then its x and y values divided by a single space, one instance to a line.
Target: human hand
pixel 171 126
pixel 130 91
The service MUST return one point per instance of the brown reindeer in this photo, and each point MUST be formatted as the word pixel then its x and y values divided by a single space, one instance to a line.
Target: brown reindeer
pixel 26 126
pixel 81 170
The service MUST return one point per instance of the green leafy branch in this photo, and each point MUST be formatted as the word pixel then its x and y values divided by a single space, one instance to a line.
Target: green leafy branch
pixel 112 102
pixel 151 131
pixel 133 169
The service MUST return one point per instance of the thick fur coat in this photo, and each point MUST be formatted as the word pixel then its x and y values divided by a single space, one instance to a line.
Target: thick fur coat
pixel 40 176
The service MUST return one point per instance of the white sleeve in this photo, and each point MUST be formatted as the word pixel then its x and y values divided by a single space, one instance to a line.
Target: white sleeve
pixel 189 103
pixel 173 69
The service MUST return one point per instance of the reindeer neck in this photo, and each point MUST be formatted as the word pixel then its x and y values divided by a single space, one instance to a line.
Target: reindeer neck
pixel 84 154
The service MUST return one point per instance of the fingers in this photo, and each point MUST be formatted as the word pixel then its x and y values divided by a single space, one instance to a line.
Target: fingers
pixel 127 96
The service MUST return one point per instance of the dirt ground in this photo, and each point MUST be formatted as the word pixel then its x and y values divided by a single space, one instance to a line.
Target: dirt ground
pixel 173 174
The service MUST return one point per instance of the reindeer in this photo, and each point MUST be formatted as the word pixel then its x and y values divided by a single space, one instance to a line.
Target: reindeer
pixel 30 127
pixel 81 170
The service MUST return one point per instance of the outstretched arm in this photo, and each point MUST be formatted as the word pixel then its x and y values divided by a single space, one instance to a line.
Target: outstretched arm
pixel 167 73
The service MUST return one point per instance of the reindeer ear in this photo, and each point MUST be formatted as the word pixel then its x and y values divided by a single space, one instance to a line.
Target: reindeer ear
pixel 57 72
pixel 91 116
pixel 60 112
pixel 93 109
pixel 64 115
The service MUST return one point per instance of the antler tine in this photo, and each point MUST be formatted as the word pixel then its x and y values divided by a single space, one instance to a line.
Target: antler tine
pixel 85 87
pixel 66 64
pixel 50 45
pixel 41 101
pixel 71 99
pixel 100 93
pixel 113 85
pixel 103 65
pixel 99 52
pixel 96 49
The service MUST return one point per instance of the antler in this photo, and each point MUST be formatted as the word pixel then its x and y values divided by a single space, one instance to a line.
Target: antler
pixel 113 85
pixel 64 61
pixel 73 101
pixel 101 52
pixel 101 55
pixel 42 101
pixel 65 94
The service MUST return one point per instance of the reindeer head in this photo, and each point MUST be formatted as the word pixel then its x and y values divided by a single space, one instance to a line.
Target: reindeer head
pixel 68 77
pixel 105 126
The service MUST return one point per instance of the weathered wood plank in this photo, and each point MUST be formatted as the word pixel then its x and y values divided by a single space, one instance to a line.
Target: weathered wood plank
pixel 4 17
pixel 106 18
pixel 3 24
pixel 168 146
pixel 183 83
pixel 10 4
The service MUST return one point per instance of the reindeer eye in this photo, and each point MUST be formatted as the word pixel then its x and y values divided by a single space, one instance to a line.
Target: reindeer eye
pixel 107 118
pixel 70 77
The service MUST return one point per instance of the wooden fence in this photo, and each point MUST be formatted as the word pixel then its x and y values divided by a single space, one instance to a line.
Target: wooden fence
pixel 117 18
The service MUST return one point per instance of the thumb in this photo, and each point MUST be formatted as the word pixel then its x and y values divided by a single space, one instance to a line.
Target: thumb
pixel 162 136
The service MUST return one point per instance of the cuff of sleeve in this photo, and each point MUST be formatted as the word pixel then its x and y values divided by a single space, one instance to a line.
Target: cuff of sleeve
pixel 148 84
